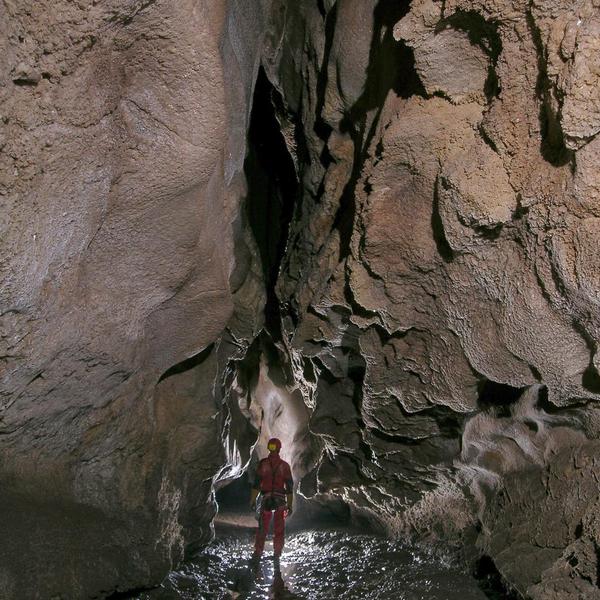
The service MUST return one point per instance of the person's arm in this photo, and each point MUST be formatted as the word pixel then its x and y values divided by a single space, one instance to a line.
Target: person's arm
pixel 289 496
pixel 255 490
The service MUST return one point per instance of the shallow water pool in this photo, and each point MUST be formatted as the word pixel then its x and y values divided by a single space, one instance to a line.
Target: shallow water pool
pixel 317 565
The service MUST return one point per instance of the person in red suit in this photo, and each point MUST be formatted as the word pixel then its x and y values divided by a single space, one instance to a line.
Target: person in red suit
pixel 275 485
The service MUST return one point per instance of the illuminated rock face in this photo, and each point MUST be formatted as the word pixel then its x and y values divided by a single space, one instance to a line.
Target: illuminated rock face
pixel 123 137
pixel 439 290
pixel 404 199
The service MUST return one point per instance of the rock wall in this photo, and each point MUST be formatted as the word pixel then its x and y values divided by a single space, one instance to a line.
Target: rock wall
pixel 386 209
pixel 439 289
pixel 120 190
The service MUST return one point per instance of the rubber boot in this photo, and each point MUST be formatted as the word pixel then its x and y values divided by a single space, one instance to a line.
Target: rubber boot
pixel 254 561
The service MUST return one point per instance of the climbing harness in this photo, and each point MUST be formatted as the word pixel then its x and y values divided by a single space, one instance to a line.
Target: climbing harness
pixel 271 500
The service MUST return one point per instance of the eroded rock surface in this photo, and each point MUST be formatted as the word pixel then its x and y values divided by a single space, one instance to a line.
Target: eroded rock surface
pixel 440 303
pixel 118 245
pixel 383 213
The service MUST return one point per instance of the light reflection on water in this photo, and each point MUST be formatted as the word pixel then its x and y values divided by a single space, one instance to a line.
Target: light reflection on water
pixel 317 565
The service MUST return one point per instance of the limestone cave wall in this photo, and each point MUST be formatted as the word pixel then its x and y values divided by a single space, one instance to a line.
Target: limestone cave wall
pixel 368 226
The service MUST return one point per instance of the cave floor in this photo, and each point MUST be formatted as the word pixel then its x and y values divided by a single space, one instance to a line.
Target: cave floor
pixel 316 564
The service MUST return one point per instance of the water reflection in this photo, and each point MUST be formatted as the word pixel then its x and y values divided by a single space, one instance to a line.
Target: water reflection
pixel 279 590
pixel 317 565
pixel 274 583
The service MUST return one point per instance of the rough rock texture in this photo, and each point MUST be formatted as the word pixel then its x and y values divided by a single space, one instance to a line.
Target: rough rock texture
pixel 369 226
pixel 439 289
pixel 119 194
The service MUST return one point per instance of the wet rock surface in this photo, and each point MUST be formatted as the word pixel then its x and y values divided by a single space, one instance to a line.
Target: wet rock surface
pixel 317 565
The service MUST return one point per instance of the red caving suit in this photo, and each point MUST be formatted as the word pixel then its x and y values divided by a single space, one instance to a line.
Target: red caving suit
pixel 274 480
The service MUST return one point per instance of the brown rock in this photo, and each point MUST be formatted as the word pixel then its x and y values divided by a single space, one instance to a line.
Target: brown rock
pixel 410 297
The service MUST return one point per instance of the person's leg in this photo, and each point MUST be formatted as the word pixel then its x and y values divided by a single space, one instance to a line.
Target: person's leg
pixel 278 531
pixel 261 532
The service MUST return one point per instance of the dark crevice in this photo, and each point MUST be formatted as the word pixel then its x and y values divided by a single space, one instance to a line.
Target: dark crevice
pixel 357 370
pixel 437 227
pixel 187 364
pixel 272 191
pixel 234 496
pixel 491 581
pixel 326 160
pixel 488 233
pixel 451 424
pixel 483 34
pixel 486 138
pixel 129 595
pixel 284 114
pixel 36 377
pixel 366 450
pixel 570 415
pixel 542 402
pixel 25 82
pixel 521 211
pixel 573 561
pixel 407 81
pixel 552 147
pixel 391 67
pixel 323 129
pixel 591 378
pixel 531 425
pixel 597 549
pixel 308 370
pixel 498 397
pixel 322 10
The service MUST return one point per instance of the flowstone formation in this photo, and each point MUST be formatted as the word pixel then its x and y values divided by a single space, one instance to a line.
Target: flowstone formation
pixel 371 225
